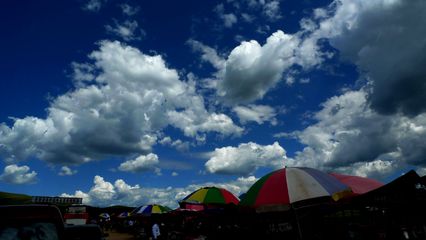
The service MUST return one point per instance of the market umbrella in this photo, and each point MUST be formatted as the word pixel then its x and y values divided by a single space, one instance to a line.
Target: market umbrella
pixel 279 189
pixel 359 185
pixel 150 209
pixel 123 215
pixel 211 195
pixel 104 215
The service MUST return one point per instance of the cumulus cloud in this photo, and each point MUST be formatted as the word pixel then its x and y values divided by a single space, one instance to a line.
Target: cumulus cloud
pixel 256 113
pixel 178 144
pixel 94 5
pixel 209 54
pixel 421 171
pixel 305 80
pixel 272 10
pixel 83 72
pixel 245 159
pixel 128 30
pixel 104 193
pixel 128 9
pixel 351 137
pixel 394 68
pixel 251 69
pixel 66 171
pixel 131 98
pixel 140 164
pixel 15 174
pixel 269 8
pixel 213 123
pixel 389 48
pixel 229 19
pixel 375 169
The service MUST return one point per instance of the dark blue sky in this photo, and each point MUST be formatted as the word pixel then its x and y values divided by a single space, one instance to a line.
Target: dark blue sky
pixel 110 100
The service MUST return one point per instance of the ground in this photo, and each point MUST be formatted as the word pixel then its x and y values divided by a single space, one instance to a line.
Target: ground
pixel 119 236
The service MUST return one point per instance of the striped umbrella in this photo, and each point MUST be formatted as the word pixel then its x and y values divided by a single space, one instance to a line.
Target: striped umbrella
pixel 104 215
pixel 150 209
pixel 290 185
pixel 123 215
pixel 359 185
pixel 210 195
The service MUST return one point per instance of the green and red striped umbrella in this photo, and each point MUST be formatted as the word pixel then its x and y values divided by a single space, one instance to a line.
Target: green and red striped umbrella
pixel 210 195
pixel 289 185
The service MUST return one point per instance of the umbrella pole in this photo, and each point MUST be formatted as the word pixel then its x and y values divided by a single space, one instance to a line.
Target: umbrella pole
pixel 299 229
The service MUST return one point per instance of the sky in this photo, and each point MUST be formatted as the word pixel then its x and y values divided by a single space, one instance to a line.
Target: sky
pixel 134 102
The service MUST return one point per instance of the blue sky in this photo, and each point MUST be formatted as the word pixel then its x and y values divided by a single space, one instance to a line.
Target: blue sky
pixel 134 102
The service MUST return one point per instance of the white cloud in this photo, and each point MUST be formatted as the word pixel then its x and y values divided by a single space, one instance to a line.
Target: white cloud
pixel 269 10
pixel 374 169
pixel 247 17
pixel 129 10
pixel 208 54
pixel 140 164
pixel 94 5
pixel 256 113
pixel 349 136
pixel 191 123
pixel 284 135
pixel 421 171
pixel 196 119
pixel 128 30
pixel 178 144
pixel 132 97
pixel 158 172
pixel 395 85
pixel 104 193
pixel 166 141
pixel 15 174
pixel 251 69
pixel 229 19
pixel 389 48
pixel 174 174
pixel 272 10
pixel 66 171
pixel 83 72
pixel 305 80
pixel 246 158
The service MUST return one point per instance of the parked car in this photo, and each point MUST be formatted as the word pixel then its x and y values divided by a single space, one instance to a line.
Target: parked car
pixel 42 222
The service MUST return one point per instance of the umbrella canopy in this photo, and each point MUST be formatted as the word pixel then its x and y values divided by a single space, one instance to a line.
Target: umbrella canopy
pixel 289 185
pixel 123 215
pixel 359 185
pixel 150 209
pixel 104 215
pixel 210 195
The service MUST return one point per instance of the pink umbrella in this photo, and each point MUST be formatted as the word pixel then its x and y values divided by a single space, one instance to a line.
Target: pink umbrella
pixel 359 185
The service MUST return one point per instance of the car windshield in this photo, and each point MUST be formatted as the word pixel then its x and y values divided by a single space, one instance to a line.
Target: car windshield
pixel 29 231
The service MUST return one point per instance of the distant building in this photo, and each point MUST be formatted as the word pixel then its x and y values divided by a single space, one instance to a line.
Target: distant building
pixel 56 200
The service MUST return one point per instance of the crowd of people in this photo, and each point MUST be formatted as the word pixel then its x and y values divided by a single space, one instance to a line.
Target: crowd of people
pixel 322 221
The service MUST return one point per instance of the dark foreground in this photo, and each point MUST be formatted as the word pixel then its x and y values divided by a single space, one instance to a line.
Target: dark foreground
pixel 395 211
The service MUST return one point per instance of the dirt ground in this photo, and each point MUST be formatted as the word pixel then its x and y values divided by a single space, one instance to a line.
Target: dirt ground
pixel 119 236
